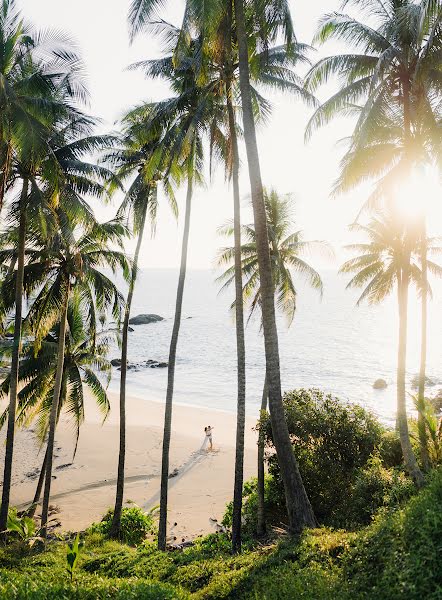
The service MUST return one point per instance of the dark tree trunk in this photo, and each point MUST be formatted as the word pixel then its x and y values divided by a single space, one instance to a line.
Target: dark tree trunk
pixel 261 516
pixel 422 426
pixel 299 510
pixel 53 417
pixel 162 530
pixel 407 450
pixel 15 361
pixel 116 520
pixel 240 342
pixel 31 510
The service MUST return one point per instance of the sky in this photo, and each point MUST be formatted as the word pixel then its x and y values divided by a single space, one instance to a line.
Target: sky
pixel 99 28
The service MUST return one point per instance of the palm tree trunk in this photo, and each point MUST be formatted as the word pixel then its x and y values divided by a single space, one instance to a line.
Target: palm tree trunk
pixel 54 412
pixel 299 510
pixel 260 513
pixel 15 359
pixel 407 450
pixel 422 427
pixel 116 520
pixel 162 529
pixel 240 342
pixel 31 510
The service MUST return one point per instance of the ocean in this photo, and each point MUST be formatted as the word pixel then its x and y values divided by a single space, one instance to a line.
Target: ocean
pixel 332 344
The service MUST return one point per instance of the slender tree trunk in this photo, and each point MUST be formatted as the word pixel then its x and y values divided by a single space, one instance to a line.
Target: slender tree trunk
pixel 162 530
pixel 240 342
pixel 407 450
pixel 116 521
pixel 261 516
pixel 31 510
pixel 299 510
pixel 422 426
pixel 53 417
pixel 5 174
pixel 15 361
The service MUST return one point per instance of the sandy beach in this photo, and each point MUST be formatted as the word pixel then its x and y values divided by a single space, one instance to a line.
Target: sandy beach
pixel 83 488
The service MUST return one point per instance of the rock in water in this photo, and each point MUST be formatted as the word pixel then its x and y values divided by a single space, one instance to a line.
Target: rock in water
pixel 380 384
pixel 145 319
pixel 116 362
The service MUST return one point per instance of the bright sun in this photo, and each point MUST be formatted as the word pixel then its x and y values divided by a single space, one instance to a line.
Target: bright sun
pixel 421 195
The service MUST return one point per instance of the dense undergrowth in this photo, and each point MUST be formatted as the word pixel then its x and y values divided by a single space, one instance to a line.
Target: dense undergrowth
pixel 398 556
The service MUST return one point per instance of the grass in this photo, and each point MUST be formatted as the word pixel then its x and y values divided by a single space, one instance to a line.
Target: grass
pixel 397 556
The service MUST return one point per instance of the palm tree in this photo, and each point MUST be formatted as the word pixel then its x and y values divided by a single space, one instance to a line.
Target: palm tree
pixel 57 265
pixel 390 80
pixel 139 156
pixel 271 18
pixel 25 162
pixel 85 363
pixel 186 119
pixel 386 260
pixel 286 251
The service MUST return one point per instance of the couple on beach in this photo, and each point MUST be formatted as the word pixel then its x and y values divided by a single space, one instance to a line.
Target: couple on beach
pixel 208 438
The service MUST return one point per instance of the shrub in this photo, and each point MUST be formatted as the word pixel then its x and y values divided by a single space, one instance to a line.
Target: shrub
pixel 332 441
pixel 136 525
pixel 377 487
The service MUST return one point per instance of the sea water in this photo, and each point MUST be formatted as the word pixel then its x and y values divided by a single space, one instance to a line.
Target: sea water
pixel 332 344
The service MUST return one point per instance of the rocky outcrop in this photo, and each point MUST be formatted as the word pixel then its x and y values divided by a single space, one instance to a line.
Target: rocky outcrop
pixel 148 364
pixel 145 319
pixel 380 384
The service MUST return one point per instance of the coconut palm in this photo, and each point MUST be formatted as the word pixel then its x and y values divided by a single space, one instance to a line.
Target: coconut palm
pixel 85 366
pixel 25 164
pixel 186 118
pixel 271 18
pixel 141 156
pixel 58 264
pixel 388 260
pixel 286 251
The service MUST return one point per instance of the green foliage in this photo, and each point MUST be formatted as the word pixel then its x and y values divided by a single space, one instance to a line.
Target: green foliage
pixel 377 487
pixel 397 556
pixel 22 526
pixel 332 442
pixel 136 525
pixel 72 555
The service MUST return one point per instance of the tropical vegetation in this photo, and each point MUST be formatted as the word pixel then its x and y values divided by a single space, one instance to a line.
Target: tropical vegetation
pixel 349 507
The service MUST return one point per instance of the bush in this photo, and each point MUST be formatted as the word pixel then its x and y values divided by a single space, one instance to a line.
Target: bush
pixel 377 487
pixel 332 441
pixel 399 556
pixel 136 525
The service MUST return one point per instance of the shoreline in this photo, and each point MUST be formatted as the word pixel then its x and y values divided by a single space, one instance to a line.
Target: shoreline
pixel 84 488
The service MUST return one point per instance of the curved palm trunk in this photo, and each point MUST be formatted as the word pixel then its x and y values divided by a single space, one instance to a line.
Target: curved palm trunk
pixel 15 359
pixel 422 427
pixel 299 510
pixel 31 510
pixel 54 413
pixel 116 521
pixel 409 458
pixel 240 342
pixel 162 529
pixel 260 513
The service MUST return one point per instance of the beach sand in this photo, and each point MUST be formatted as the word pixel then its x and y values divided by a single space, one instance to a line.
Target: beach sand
pixel 83 488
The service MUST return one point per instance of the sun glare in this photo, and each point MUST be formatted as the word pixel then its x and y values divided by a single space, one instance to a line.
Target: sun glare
pixel 420 195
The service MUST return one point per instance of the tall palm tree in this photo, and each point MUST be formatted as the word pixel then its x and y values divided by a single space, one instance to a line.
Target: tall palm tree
pixel 186 118
pixel 60 263
pixel 85 364
pixel 299 509
pixel 139 156
pixel 390 81
pixel 387 260
pixel 286 250
pixel 25 163
pixel 271 18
